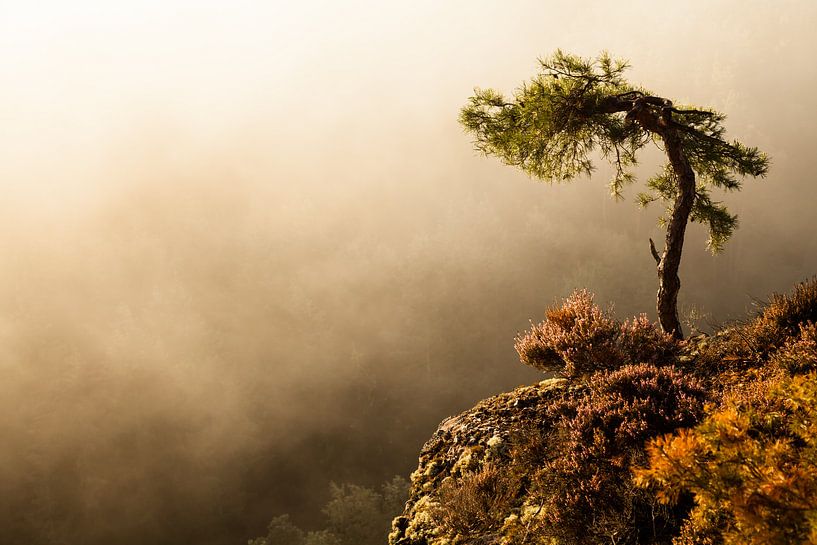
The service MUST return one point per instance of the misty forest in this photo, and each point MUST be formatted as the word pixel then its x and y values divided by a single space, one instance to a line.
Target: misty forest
pixel 422 273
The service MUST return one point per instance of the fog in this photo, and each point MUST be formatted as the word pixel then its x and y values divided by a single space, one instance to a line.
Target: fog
pixel 247 250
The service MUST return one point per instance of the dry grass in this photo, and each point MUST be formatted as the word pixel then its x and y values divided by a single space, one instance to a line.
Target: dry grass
pixel 750 344
pixel 479 502
pixel 799 355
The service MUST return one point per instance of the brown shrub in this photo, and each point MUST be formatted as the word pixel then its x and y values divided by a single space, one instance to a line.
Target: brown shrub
pixel 576 336
pixel 799 355
pixel 784 314
pixel 750 344
pixel 641 342
pixel 585 484
pixel 579 338
pixel 479 502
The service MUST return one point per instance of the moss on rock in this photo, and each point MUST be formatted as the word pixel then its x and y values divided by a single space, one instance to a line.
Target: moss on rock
pixel 463 444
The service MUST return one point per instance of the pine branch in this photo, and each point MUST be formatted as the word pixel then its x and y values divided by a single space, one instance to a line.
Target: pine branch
pixel 697 112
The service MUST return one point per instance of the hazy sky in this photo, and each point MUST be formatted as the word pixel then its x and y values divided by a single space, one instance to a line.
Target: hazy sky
pixel 247 249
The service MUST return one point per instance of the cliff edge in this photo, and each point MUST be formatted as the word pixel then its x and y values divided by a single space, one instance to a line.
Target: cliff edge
pixel 711 440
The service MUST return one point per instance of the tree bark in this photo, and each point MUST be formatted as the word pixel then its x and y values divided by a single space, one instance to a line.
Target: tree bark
pixel 654 114
pixel 668 281
pixel 669 284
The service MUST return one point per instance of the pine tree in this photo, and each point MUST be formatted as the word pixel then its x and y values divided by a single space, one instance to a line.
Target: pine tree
pixel 576 106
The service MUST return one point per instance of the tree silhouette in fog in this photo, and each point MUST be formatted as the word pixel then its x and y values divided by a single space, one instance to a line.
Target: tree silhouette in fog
pixel 355 515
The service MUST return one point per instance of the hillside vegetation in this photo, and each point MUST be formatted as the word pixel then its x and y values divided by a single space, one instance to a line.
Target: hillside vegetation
pixel 641 439
pixel 355 515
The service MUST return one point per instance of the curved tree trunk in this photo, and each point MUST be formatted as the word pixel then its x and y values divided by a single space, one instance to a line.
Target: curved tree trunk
pixel 668 281
pixel 654 114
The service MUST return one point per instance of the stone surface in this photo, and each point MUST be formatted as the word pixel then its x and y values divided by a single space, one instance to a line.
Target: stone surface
pixel 463 443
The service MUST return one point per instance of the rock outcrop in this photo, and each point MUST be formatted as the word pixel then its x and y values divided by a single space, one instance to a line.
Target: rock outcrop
pixel 630 449
pixel 463 444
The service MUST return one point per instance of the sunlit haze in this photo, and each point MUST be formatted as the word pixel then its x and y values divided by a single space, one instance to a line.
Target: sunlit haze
pixel 248 250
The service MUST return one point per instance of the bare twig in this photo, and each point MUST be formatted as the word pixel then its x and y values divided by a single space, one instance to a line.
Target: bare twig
pixel 654 253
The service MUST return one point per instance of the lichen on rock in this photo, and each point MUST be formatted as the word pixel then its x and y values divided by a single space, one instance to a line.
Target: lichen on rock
pixel 463 445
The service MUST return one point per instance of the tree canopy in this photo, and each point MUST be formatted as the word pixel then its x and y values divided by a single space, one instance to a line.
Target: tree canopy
pixel 575 107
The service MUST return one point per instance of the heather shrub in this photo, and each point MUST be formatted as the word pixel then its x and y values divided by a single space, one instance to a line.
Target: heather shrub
pixel 751 466
pixel 478 502
pixel 640 341
pixel 783 316
pixel 585 485
pixel 579 338
pixel 752 343
pixel 799 355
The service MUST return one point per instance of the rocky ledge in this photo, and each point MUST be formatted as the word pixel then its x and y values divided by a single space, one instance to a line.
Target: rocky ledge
pixel 464 443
